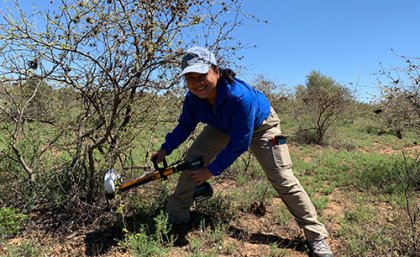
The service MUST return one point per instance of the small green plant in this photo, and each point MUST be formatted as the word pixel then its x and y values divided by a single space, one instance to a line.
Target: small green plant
pixel 158 243
pixel 25 248
pixel 196 244
pixel 275 251
pixel 162 229
pixel 281 215
pixel 229 249
pixel 320 203
pixel 11 221
pixel 216 236
pixel 256 198
pixel 140 244
pixel 219 208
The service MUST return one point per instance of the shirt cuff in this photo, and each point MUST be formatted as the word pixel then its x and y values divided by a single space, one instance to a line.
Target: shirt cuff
pixel 214 169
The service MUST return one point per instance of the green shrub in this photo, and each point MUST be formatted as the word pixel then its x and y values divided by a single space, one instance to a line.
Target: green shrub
pixel 140 244
pixel 10 222
pixel 282 215
pixel 305 136
pixel 218 208
pixel 256 198
pixel 146 243
pixel 384 174
pixel 25 248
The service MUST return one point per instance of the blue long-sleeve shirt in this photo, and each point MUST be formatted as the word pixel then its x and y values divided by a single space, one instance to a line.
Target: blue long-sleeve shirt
pixel 239 109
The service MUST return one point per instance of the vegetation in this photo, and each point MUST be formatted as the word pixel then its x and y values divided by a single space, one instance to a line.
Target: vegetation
pixel 91 78
pixel 399 109
pixel 320 104
pixel 11 222
pixel 83 97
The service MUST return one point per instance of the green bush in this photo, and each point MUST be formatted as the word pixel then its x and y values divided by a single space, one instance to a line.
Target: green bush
pixel 10 222
pixel 220 208
pixel 27 248
pixel 384 174
pixel 146 243
pixel 305 136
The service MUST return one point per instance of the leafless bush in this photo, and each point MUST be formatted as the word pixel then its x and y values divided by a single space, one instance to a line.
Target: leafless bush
pixel 399 108
pixel 83 84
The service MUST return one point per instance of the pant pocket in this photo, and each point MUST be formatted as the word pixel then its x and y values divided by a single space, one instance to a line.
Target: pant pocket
pixel 281 155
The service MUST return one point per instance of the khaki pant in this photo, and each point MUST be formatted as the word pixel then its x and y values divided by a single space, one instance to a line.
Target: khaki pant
pixel 275 160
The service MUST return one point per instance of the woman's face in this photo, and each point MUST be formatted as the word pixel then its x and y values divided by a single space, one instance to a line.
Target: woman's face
pixel 203 85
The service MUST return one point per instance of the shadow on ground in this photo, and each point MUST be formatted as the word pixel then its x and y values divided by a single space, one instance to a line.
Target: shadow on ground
pixel 297 244
pixel 100 242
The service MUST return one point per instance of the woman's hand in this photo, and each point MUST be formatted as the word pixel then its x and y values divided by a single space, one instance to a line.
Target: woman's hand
pixel 201 175
pixel 159 155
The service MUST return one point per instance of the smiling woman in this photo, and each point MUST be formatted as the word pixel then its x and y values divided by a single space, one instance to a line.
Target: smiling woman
pixel 204 85
pixel 238 117
pixel 201 73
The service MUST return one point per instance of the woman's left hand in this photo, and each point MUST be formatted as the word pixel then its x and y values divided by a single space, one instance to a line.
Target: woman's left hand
pixel 201 175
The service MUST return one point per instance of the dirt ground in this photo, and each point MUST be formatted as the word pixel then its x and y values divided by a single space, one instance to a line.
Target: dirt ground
pixel 250 234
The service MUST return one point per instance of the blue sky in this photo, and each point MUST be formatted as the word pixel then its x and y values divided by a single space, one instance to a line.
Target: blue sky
pixel 345 40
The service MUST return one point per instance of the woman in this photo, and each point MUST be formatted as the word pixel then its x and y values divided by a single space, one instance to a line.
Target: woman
pixel 238 117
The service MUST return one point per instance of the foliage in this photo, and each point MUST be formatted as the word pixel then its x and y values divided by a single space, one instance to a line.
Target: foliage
pixel 320 105
pixel 79 87
pixel 143 244
pixel 95 85
pixel 26 248
pixel 399 108
pixel 282 215
pixel 218 209
pixel 381 174
pixel 366 233
pixel 11 222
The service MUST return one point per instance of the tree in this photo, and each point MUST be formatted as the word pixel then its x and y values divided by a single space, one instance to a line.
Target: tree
pixel 117 60
pixel 320 105
pixel 400 103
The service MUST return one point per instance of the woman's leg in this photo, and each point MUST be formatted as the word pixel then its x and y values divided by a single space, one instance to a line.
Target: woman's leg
pixel 276 162
pixel 207 145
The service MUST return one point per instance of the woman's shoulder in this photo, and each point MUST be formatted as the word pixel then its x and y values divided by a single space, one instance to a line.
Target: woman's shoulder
pixel 237 92
pixel 238 87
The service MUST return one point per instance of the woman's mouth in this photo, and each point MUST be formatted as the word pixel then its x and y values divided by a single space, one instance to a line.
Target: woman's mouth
pixel 200 89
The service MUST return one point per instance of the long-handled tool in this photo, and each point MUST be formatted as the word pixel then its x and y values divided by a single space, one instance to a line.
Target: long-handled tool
pixel 112 178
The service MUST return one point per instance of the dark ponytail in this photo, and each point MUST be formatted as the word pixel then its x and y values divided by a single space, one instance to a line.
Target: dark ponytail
pixel 227 74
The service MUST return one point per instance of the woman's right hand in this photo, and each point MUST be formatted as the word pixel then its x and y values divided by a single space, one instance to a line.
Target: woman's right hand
pixel 159 155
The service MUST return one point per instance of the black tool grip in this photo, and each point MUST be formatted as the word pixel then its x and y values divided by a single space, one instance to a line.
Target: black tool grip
pixel 155 164
pixel 192 164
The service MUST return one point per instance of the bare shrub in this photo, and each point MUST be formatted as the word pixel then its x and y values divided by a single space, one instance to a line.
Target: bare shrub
pixel 399 108
pixel 82 86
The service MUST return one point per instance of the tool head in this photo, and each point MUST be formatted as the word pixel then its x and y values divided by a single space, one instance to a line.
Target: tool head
pixel 110 179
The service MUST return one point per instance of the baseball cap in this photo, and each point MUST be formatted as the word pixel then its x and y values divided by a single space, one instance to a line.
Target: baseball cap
pixel 197 59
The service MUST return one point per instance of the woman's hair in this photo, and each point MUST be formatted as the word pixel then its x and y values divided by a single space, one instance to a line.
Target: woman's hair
pixel 227 74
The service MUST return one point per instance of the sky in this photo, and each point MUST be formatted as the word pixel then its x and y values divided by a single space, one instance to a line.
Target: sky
pixel 344 40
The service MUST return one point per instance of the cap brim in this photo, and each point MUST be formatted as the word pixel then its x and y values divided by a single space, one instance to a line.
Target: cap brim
pixel 198 68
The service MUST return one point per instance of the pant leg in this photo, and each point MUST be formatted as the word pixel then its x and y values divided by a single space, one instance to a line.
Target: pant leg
pixel 276 162
pixel 207 145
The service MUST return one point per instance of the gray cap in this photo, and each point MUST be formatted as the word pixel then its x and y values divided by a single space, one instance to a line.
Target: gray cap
pixel 197 59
